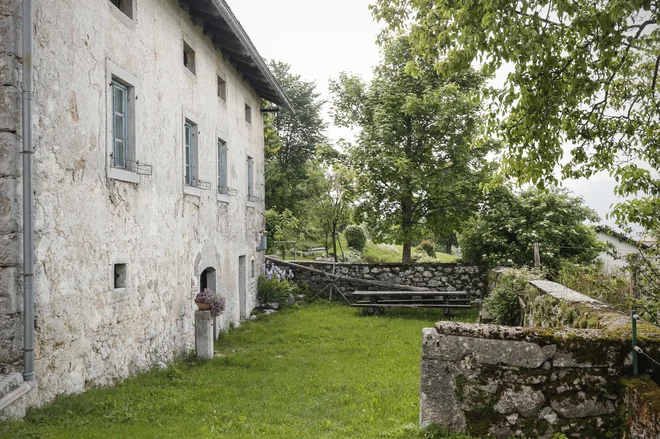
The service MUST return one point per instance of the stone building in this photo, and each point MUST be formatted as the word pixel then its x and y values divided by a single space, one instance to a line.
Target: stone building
pixel 148 183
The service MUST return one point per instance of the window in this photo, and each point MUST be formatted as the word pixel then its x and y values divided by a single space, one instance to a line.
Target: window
pixel 222 167
pixel 120 125
pixel 248 113
pixel 125 6
pixel 190 134
pixel 252 268
pixel 222 88
pixel 188 57
pixel 122 162
pixel 250 178
pixel 120 276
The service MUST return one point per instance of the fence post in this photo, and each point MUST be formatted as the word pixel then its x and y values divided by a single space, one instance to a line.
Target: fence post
pixel 537 256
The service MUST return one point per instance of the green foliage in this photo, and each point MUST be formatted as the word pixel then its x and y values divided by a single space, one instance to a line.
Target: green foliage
pixel 428 247
pixel 594 282
pixel 508 225
pixel 418 167
pixel 313 371
pixel 502 302
pixel 290 142
pixel 282 226
pixel 355 237
pixel 646 269
pixel 583 75
pixel 272 290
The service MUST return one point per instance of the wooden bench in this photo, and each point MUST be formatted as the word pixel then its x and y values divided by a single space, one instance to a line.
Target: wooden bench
pixel 411 299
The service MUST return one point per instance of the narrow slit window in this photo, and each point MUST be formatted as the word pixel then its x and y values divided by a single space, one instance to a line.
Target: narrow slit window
pixel 125 6
pixel 120 276
pixel 222 88
pixel 248 113
pixel 250 178
pixel 222 167
pixel 189 57
pixel 120 151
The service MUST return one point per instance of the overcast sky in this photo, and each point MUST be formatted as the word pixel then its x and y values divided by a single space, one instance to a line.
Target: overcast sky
pixel 320 39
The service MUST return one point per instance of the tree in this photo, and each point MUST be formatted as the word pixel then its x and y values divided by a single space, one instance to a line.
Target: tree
pixel 417 167
pixel 508 225
pixel 331 204
pixel 585 77
pixel 291 141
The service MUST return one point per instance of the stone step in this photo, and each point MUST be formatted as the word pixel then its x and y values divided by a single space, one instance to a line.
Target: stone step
pixel 9 383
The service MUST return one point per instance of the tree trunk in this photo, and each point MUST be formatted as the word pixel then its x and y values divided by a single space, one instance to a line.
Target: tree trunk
pixel 334 241
pixel 406 227
pixel 343 258
pixel 407 253
pixel 448 247
pixel 326 244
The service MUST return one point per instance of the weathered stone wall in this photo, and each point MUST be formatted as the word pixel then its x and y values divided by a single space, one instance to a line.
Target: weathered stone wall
pixel 437 276
pixel 521 382
pixel 642 405
pixel 89 333
pixel 11 330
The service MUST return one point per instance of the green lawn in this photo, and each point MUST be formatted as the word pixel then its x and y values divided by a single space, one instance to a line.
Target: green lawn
pixel 315 371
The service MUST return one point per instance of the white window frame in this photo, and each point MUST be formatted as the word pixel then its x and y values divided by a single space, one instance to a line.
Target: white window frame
pixel 190 119
pixel 114 73
pixel 121 16
pixel 222 179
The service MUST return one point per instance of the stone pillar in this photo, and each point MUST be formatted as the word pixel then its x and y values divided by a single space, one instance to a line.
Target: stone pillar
pixel 203 335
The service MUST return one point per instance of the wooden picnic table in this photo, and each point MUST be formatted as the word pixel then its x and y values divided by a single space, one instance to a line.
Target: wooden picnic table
pixel 411 299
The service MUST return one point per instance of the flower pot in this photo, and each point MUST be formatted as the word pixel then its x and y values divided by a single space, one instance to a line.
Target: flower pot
pixel 203 306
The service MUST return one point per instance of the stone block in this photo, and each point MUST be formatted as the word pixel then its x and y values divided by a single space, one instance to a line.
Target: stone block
pixel 203 335
pixel 11 7
pixel 580 405
pixel 10 102
pixel 9 250
pixel 523 400
pixel 11 298
pixel 10 157
pixel 10 70
pixel 9 207
pixel 9 33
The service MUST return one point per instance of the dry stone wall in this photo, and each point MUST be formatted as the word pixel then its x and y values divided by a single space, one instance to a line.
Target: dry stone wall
pixel 435 276
pixel 506 382
pixel 641 397
pixel 11 333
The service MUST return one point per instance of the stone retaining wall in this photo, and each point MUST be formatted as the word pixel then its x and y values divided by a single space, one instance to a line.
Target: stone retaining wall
pixel 437 276
pixel 642 402
pixel 533 383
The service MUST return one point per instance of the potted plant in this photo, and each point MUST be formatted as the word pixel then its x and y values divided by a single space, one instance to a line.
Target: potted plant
pixel 208 300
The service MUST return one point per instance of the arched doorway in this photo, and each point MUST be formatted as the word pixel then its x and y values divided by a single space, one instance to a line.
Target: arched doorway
pixel 208 280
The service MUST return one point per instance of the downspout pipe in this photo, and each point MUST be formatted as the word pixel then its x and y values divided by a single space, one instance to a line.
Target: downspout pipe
pixel 28 198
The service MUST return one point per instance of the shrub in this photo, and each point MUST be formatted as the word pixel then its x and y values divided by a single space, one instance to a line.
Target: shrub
pixel 274 285
pixel 502 302
pixel 355 237
pixel 428 247
pixel 592 281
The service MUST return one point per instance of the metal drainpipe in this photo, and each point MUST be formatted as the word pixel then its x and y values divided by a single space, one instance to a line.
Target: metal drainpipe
pixel 29 379
pixel 28 226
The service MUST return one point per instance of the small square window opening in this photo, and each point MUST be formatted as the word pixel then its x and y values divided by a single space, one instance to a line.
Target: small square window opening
pixel 125 6
pixel 188 57
pixel 120 276
pixel 222 88
pixel 248 113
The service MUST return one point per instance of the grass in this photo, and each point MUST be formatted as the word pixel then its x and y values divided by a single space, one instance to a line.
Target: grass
pixel 316 371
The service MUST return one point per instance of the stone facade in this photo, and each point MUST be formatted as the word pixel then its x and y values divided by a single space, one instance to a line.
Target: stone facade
pixel 488 379
pixel 165 239
pixel 435 276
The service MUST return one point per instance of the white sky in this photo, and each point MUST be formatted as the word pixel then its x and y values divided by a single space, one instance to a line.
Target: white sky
pixel 320 39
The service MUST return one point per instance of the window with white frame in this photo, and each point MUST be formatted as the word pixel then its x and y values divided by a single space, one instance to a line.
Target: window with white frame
pixel 122 137
pixel 222 167
pixel 190 135
pixel 250 179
